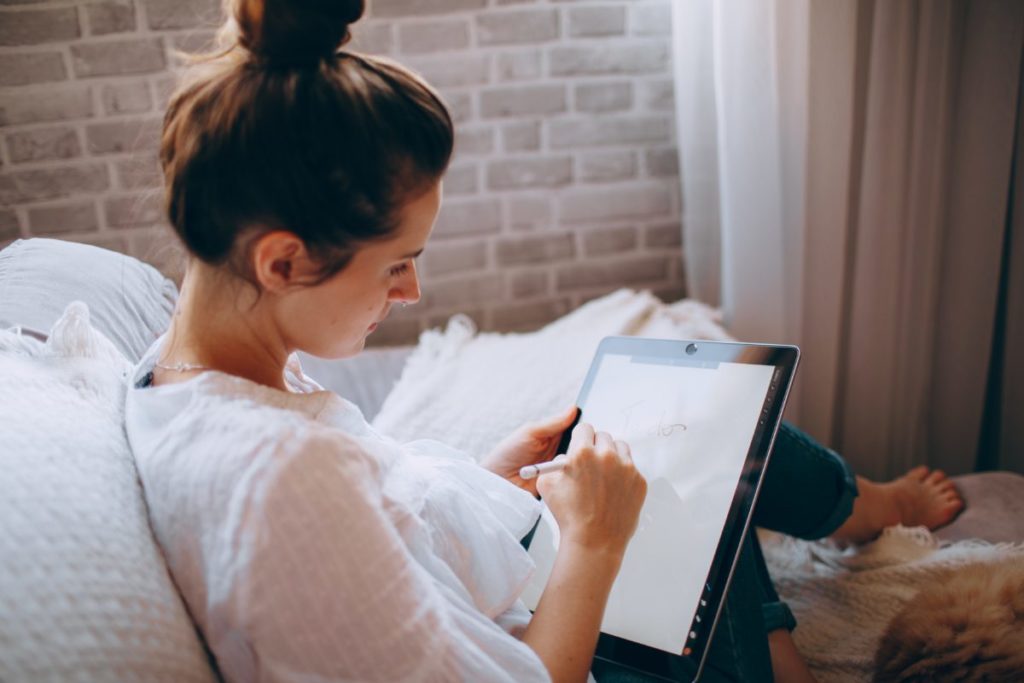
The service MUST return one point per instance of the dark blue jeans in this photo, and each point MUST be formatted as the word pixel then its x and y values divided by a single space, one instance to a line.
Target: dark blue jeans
pixel 808 492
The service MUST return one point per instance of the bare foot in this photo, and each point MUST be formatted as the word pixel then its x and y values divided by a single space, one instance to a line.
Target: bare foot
pixel 919 498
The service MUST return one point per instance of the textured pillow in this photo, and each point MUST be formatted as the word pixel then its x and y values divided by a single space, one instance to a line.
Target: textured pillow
pixel 84 591
pixel 468 389
pixel 130 302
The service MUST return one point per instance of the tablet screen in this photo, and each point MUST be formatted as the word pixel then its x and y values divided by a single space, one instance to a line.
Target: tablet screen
pixel 690 422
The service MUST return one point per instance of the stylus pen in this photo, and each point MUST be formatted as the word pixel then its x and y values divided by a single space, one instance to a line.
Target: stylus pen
pixel 531 471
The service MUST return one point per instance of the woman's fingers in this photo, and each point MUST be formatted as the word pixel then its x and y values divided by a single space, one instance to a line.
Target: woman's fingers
pixel 604 444
pixel 586 443
pixel 554 425
pixel 566 418
pixel 623 451
pixel 607 446
pixel 582 437
pixel 597 497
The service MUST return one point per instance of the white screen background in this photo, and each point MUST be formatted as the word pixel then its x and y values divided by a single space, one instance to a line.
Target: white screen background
pixel 689 429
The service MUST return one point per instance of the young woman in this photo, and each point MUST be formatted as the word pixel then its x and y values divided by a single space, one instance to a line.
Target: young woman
pixel 304 181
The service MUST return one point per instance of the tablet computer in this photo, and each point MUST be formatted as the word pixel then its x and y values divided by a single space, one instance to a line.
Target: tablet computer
pixel 700 418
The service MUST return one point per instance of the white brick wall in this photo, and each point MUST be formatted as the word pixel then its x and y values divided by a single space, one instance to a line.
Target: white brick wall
pixel 564 185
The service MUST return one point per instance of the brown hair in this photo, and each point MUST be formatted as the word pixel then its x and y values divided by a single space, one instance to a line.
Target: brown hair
pixel 281 129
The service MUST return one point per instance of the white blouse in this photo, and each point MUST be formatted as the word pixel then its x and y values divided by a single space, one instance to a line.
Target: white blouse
pixel 310 548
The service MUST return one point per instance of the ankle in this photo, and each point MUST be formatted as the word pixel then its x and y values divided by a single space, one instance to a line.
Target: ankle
pixel 891 503
pixel 907 505
pixel 874 508
pixel 788 666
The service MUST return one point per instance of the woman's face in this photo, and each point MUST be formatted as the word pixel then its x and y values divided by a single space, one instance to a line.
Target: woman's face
pixel 333 319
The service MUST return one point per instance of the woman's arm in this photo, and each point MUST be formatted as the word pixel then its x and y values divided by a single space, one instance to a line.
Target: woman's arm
pixel 565 626
pixel 596 500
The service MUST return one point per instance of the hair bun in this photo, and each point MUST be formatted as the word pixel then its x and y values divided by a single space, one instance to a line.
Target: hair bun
pixel 295 32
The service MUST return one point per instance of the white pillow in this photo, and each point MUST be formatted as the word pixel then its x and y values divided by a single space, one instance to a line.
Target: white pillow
pixel 469 390
pixel 130 301
pixel 84 591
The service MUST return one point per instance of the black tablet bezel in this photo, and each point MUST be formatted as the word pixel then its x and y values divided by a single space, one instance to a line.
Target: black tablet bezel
pixel 701 353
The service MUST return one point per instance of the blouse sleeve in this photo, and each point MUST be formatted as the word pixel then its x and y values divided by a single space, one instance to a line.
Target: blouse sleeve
pixel 324 588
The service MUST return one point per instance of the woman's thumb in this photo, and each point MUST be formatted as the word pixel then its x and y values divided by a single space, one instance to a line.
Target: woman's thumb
pixel 559 422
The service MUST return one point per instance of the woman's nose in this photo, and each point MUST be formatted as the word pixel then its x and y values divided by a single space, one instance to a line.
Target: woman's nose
pixel 413 289
pixel 408 289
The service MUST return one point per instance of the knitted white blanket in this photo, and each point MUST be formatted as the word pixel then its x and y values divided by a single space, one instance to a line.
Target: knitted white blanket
pixel 469 390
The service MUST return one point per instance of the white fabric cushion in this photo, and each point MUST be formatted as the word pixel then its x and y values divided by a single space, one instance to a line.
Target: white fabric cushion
pixel 130 301
pixel 84 591
pixel 469 390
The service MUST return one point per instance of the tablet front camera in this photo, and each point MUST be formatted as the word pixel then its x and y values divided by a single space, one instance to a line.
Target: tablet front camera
pixel 690 349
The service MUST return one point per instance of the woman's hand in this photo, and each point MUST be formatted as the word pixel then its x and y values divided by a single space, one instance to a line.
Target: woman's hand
pixel 596 498
pixel 530 444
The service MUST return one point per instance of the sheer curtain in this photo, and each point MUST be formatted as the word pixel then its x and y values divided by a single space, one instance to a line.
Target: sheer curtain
pixel 846 171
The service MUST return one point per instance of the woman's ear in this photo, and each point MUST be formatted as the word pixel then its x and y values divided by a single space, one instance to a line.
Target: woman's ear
pixel 279 260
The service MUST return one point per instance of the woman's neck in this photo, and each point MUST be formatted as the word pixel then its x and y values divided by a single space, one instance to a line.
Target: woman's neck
pixel 223 326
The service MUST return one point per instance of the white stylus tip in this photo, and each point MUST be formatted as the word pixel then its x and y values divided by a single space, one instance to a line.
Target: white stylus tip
pixel 531 471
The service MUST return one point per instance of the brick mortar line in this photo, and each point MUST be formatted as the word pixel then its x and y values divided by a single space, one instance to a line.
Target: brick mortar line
pixel 59 45
pixel 82 121
pixel 85 157
pixel 546 46
pixel 22 214
pixel 41 4
pixel 606 79
pixel 142 18
pixel 52 164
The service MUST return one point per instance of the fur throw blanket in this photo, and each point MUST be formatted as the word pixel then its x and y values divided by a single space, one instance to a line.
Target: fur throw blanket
pixel 905 607
pixel 966 626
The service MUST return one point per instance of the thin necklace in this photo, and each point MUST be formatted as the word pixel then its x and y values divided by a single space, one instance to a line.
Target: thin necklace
pixel 182 367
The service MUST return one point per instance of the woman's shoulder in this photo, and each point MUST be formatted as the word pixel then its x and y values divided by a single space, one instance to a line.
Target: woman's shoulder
pixel 221 431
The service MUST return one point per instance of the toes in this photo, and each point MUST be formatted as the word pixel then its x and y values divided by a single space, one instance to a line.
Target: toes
pixel 946 485
pixel 951 496
pixel 918 473
pixel 935 477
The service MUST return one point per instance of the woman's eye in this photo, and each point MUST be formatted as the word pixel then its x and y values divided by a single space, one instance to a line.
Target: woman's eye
pixel 399 269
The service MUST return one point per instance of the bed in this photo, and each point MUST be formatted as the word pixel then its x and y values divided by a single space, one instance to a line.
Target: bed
pixel 83 587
